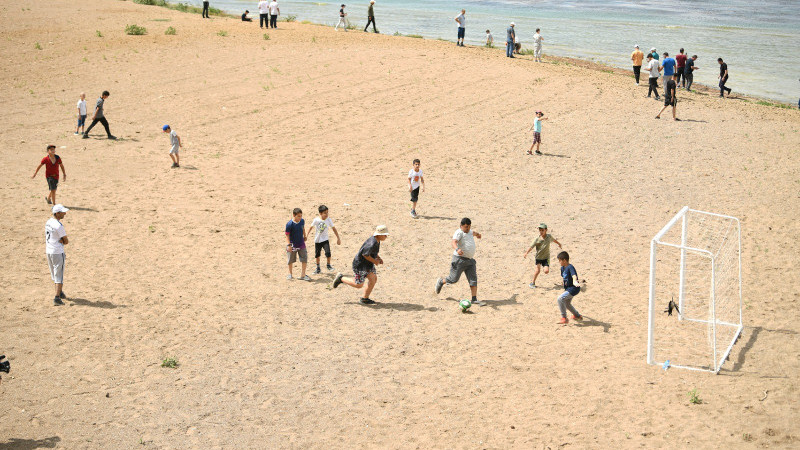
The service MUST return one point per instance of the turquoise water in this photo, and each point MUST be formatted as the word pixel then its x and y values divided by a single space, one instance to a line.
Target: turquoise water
pixel 760 41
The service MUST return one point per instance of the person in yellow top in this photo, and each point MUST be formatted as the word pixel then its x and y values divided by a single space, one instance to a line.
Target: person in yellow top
pixel 637 56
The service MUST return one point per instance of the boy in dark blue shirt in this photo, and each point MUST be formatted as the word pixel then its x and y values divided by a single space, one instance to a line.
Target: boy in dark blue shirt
pixel 571 288
pixel 296 243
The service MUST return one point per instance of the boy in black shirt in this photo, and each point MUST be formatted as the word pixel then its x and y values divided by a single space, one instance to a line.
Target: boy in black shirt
pixel 723 78
pixel 364 265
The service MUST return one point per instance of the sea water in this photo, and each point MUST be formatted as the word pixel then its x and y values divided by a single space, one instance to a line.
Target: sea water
pixel 759 40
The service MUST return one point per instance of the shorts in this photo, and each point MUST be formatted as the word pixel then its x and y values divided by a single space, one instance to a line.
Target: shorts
pixel 461 32
pixel 537 137
pixel 670 101
pixel 318 246
pixel 415 195
pixel 360 273
pixel 174 150
pixel 460 265
pixel 52 183
pixel 543 262
pixel 56 264
pixel 292 255
pixel 82 120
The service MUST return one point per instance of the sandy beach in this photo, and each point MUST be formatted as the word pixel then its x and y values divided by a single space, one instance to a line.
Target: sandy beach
pixel 190 263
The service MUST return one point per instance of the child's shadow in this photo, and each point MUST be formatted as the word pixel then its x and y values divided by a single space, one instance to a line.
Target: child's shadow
pixel 397 306
pixel 589 322
pixel 326 278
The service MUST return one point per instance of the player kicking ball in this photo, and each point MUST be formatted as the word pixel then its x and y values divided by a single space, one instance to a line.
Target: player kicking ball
pixel 463 260
pixel 364 265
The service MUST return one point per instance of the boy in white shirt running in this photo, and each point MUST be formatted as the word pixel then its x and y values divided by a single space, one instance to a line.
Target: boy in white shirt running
pixel 321 241
pixel 415 179
pixel 463 260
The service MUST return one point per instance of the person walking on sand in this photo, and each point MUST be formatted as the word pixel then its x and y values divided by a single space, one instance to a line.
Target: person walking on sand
pixel 52 163
pixel 636 57
pixel 461 21
pixel 205 10
pixel 653 69
pixel 263 14
pixel 537 46
pixel 688 71
pixel 99 116
pixel 371 17
pixel 55 238
pixel 175 146
pixel 364 274
pixel 274 12
pixel 670 89
pixel 723 78
pixel 510 40
pixel 680 59
pixel 81 114
pixel 342 19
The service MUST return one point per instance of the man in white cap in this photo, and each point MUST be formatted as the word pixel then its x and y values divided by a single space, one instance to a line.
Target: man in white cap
pixel 636 57
pixel 55 240
pixel 364 265
pixel 510 40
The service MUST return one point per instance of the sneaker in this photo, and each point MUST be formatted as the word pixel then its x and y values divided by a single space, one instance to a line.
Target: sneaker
pixel 305 278
pixel 317 271
pixel 538 152
pixel 563 321
pixel 76 133
pixel 439 284
pixel 532 286
pixel 57 302
pixel 478 302
pixel 177 166
pixel 112 137
pixel 48 200
pixel 62 295
pixel 330 268
pixel 366 301
pixel 578 318
pixel 85 136
pixel 337 280
pixel 413 214
pixel 288 277
pixel 174 165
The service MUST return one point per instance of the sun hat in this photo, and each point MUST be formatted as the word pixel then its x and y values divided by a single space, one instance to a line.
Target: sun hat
pixel 381 230
pixel 165 127
pixel 543 225
pixel 60 208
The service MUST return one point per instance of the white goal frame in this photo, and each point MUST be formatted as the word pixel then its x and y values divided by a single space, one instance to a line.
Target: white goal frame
pixel 718 357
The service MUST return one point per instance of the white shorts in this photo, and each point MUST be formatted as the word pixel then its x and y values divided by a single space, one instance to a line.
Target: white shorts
pixel 56 263
pixel 174 150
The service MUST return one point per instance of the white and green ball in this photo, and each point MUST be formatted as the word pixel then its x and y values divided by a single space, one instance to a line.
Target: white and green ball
pixel 465 304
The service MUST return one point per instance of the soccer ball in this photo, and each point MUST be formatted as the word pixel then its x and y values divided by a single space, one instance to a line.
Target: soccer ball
pixel 465 304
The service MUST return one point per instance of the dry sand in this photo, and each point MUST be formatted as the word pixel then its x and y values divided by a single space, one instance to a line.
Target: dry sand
pixel 189 263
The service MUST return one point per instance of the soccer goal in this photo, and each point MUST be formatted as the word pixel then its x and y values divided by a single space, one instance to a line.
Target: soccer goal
pixel 695 312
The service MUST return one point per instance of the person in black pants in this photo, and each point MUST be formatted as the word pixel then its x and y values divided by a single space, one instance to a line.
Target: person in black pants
pixel 652 69
pixel 371 17
pixel 274 12
pixel 723 78
pixel 205 10
pixel 99 117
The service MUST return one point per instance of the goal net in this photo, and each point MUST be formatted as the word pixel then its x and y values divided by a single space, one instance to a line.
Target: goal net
pixel 695 262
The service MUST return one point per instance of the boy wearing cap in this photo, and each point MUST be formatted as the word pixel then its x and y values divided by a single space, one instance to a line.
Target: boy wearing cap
pixel 636 57
pixel 542 246
pixel 175 141
pixel 55 238
pixel 537 132
pixel 653 71
pixel 52 163
pixel 463 260
pixel 364 265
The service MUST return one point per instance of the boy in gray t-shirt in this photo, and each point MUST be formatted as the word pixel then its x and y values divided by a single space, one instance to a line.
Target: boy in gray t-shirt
pixel 175 141
pixel 463 260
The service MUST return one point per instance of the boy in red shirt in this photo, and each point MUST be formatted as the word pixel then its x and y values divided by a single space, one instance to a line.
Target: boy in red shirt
pixel 52 163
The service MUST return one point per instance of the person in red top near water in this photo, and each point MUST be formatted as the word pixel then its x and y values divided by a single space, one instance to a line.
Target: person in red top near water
pixel 51 162
pixel 680 58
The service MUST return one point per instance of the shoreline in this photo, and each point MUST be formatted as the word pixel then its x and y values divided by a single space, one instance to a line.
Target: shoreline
pixel 701 89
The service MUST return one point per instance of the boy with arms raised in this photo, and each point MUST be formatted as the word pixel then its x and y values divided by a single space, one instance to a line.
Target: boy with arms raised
pixel 52 163
pixel 463 260
pixel 415 179
pixel 571 288
pixel 364 265
pixel 537 132
pixel 542 245
pixel 296 243
pixel 321 241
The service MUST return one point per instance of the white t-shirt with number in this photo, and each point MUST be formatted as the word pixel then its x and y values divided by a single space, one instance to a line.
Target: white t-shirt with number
pixel 53 232
pixel 415 178
pixel 82 107
pixel 321 227
pixel 466 242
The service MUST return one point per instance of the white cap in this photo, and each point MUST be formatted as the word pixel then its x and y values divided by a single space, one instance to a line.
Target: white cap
pixel 60 208
pixel 381 230
pixel 636 46
pixel 512 24
pixel 653 49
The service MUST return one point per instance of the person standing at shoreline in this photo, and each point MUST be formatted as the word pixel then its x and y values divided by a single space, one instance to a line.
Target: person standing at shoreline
pixel 489 39
pixel 342 20
pixel 636 57
pixel 371 17
pixel 205 10
pixel 680 59
pixel 654 53
pixel 510 39
pixel 537 46
pixel 668 65
pixel 55 238
pixel 462 23
pixel 653 69
pixel 723 78
pixel 274 12
pixel 99 116
pixel 688 72
pixel 263 14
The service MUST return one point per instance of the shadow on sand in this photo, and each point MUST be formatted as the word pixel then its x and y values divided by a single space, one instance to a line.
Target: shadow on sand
pixel 94 304
pixel 30 444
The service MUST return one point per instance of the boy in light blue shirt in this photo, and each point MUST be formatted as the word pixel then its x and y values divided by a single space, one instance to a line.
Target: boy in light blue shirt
pixel 537 132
